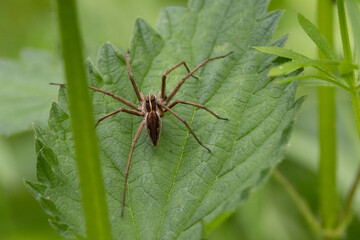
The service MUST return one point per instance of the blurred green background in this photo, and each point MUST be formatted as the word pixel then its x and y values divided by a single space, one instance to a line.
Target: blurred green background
pixel 30 32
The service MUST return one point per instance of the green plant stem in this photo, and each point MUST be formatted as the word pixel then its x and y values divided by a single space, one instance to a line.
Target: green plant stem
pixel 91 183
pixel 350 197
pixel 344 30
pixel 350 78
pixel 346 212
pixel 356 105
pixel 328 198
pixel 298 200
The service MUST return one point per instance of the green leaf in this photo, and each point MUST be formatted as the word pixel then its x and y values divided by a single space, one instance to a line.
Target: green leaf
pixel 289 67
pixel 25 92
pixel 282 52
pixel 177 190
pixel 319 77
pixel 312 31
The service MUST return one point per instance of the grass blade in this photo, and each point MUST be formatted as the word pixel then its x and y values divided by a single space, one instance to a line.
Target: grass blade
pixel 87 155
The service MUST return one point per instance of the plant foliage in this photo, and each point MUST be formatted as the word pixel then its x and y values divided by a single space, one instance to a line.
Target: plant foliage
pixel 333 70
pixel 176 190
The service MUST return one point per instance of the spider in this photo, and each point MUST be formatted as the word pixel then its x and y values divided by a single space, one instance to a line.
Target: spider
pixel 152 109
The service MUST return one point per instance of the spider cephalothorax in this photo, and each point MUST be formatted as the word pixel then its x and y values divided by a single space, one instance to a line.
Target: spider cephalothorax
pixel 152 109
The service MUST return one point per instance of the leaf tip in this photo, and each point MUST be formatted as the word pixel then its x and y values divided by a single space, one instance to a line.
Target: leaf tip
pixel 272 73
pixel 141 25
pixel 106 48
pixel 36 189
pixel 301 18
pixel 108 44
pixel 57 115
pixel 257 48
pixel 87 60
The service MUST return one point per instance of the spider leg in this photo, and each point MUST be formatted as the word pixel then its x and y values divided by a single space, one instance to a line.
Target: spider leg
pixel 130 111
pixel 163 83
pixel 195 105
pixel 120 99
pixel 137 135
pixel 172 94
pixel 183 121
pixel 132 79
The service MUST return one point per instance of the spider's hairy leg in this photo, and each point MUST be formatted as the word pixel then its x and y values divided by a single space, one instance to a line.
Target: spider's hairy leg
pixel 132 79
pixel 163 79
pixel 172 94
pixel 196 105
pixel 136 138
pixel 120 99
pixel 130 111
pixel 188 127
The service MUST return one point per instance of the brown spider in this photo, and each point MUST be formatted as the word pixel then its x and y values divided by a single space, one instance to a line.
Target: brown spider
pixel 153 109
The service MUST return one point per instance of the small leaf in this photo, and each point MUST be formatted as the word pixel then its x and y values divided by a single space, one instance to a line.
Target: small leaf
pixel 289 67
pixel 312 31
pixel 282 52
pixel 319 77
pixel 177 190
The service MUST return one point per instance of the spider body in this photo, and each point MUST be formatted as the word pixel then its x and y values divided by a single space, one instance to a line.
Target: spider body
pixel 153 114
pixel 152 109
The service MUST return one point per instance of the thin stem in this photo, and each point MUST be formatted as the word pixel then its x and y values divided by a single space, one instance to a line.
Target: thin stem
pixel 298 200
pixel 331 75
pixel 328 200
pixel 350 197
pixel 344 30
pixel 346 216
pixel 330 80
pixel 87 156
pixel 350 78
pixel 356 105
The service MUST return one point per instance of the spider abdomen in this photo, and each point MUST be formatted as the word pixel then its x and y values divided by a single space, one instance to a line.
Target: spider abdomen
pixel 153 126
